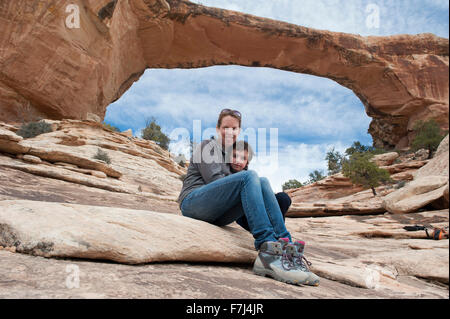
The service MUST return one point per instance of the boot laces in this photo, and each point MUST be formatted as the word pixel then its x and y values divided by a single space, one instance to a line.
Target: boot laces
pixel 288 262
pixel 303 262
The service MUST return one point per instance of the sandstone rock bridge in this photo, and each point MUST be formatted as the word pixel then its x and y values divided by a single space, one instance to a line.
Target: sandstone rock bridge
pixel 51 71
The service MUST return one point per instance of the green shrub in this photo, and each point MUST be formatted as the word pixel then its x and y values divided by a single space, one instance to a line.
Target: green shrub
pixel 32 129
pixel 292 183
pixel 334 159
pixel 182 177
pixel 357 147
pixel 362 171
pixel 152 131
pixel 315 176
pixel 428 136
pixel 103 156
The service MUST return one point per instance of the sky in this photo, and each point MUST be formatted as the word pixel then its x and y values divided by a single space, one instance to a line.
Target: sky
pixel 301 116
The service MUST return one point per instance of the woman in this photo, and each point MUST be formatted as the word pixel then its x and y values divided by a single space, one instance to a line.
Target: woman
pixel 213 194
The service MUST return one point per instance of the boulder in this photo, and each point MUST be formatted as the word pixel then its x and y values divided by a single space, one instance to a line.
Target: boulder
pixel 117 234
pixel 415 194
pixel 385 159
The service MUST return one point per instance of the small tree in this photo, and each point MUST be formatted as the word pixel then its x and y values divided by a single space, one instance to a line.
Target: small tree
pixel 357 147
pixel 362 171
pixel 334 159
pixel 428 136
pixel 292 183
pixel 316 176
pixel 152 131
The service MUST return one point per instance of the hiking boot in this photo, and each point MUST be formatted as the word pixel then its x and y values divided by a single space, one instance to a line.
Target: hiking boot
pixel 272 261
pixel 297 252
pixel 301 259
pixel 284 241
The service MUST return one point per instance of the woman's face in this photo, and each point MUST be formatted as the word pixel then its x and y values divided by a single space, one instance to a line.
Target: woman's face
pixel 229 130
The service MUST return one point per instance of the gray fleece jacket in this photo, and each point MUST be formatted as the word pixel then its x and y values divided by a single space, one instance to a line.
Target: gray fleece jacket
pixel 206 165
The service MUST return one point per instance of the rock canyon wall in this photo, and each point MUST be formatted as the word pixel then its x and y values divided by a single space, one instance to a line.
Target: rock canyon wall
pixel 49 70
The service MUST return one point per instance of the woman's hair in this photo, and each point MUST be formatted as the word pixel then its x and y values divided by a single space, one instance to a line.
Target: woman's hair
pixel 228 112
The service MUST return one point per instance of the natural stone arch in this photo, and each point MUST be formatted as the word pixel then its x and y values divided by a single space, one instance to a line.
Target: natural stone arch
pixel 70 73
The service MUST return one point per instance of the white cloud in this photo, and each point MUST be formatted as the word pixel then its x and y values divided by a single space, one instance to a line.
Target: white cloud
pixel 295 162
pixel 398 16
pixel 180 147
pixel 440 4
pixel 300 105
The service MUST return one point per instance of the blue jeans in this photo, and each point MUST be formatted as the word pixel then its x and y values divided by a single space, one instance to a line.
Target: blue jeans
pixel 227 199
pixel 284 201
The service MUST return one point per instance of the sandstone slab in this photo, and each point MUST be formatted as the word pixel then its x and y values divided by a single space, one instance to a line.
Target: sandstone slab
pixel 18 184
pixel 117 234
pixel 360 203
pixel 416 194
pixel 135 163
pixel 355 256
pixel 98 279
pixel 375 252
